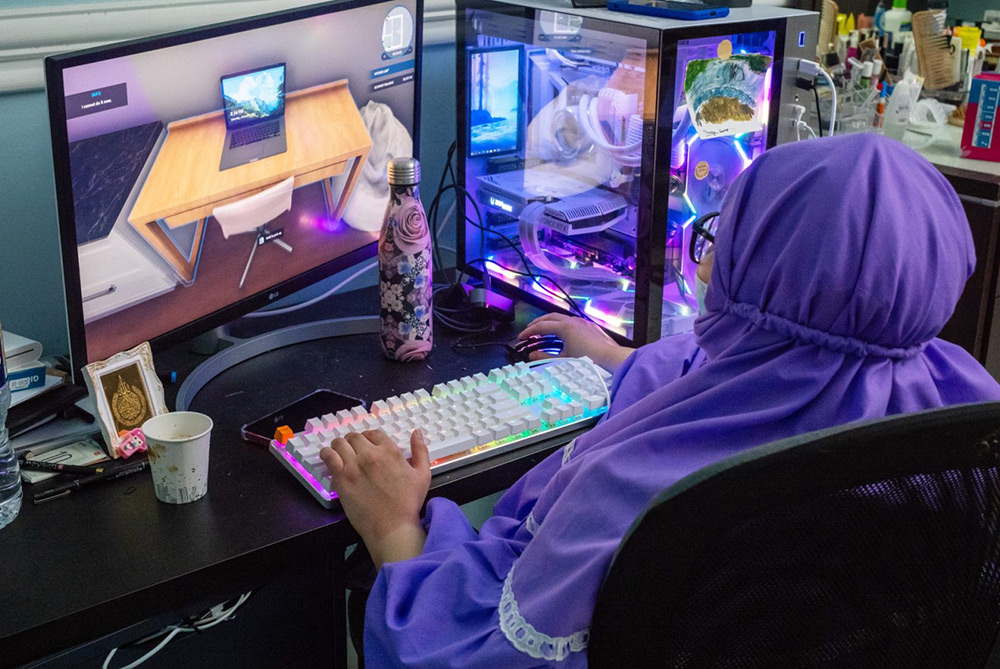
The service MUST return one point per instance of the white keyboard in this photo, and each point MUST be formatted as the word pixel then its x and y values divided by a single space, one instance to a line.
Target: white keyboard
pixel 462 420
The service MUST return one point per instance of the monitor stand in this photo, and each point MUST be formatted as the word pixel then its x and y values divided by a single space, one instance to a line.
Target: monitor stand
pixel 244 349
pixel 213 341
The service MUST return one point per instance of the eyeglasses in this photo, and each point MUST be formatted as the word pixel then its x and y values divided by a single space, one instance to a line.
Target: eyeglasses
pixel 703 236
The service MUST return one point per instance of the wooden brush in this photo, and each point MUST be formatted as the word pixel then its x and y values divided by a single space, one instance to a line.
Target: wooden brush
pixel 933 51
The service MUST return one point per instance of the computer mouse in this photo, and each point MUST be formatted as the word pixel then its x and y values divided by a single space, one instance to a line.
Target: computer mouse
pixel 519 350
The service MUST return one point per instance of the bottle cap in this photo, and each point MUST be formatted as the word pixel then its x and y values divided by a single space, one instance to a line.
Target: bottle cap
pixel 899 4
pixel 404 172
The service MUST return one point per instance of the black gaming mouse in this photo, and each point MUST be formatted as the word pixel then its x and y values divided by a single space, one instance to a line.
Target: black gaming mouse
pixel 518 350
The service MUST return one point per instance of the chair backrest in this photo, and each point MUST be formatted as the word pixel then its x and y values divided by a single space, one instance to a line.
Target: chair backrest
pixel 251 212
pixel 871 544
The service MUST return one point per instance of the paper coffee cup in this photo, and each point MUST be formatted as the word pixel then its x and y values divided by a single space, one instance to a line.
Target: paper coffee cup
pixel 178 455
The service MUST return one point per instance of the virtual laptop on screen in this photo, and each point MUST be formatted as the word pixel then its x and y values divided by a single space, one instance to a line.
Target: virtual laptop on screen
pixel 255 115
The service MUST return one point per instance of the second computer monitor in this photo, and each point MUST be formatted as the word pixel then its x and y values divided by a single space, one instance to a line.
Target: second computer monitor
pixel 496 101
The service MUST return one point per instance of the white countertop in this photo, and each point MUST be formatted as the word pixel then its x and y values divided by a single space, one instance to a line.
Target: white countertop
pixel 945 151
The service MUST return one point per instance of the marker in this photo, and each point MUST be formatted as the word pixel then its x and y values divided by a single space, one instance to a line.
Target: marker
pixel 59 468
pixel 106 475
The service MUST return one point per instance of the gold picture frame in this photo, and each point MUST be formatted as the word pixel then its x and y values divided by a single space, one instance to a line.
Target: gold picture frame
pixel 126 393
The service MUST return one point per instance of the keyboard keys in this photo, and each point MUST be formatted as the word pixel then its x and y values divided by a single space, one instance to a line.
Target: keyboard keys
pixel 517 425
pixel 451 446
pixel 314 465
pixel 305 452
pixel 508 407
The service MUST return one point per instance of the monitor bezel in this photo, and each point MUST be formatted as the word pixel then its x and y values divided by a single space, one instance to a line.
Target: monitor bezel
pixel 54 66
pixel 522 91
pixel 230 125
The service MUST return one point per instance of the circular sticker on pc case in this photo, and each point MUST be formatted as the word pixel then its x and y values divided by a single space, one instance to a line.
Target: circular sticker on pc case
pixel 701 170
pixel 725 49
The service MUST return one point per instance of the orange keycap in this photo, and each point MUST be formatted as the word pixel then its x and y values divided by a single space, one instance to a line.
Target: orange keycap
pixel 283 434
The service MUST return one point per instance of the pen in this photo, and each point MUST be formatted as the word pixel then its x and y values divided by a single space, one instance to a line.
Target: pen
pixel 107 474
pixel 59 468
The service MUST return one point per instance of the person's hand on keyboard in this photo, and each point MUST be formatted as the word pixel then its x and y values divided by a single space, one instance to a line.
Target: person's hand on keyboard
pixel 381 492
pixel 580 338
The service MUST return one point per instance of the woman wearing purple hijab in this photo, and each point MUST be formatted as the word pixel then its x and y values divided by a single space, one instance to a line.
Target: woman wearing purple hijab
pixel 836 263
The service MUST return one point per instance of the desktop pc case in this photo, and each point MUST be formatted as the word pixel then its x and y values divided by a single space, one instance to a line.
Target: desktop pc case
pixel 589 141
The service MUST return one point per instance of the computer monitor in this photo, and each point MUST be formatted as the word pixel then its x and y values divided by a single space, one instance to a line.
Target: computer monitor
pixel 495 101
pixel 161 240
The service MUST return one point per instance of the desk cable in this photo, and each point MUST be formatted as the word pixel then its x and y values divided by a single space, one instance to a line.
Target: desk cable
pixel 217 614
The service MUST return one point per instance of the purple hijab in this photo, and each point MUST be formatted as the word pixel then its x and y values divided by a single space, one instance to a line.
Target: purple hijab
pixel 837 263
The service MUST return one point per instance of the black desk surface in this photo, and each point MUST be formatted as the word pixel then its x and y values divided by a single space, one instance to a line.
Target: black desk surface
pixel 79 567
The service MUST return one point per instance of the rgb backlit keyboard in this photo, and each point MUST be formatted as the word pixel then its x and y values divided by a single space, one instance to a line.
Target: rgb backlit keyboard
pixel 462 420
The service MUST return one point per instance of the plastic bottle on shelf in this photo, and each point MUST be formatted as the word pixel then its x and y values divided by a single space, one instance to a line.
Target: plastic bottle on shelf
pixel 879 19
pixel 896 22
pixel 10 474
pixel 405 267
pixel 901 102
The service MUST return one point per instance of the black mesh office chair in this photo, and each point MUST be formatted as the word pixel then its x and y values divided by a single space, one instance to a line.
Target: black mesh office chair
pixel 872 545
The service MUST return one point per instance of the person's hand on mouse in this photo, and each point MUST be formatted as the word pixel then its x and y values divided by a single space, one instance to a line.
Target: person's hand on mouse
pixel 580 337
pixel 381 492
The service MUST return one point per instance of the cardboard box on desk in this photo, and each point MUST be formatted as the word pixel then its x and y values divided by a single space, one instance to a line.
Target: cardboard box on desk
pixel 25 378
pixel 980 137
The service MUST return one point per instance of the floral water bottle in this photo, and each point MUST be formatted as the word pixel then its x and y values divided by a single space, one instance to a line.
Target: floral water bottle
pixel 405 267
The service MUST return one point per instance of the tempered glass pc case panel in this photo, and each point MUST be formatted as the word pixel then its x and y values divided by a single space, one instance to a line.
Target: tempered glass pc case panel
pixel 592 213
pixel 553 159
pixel 722 114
